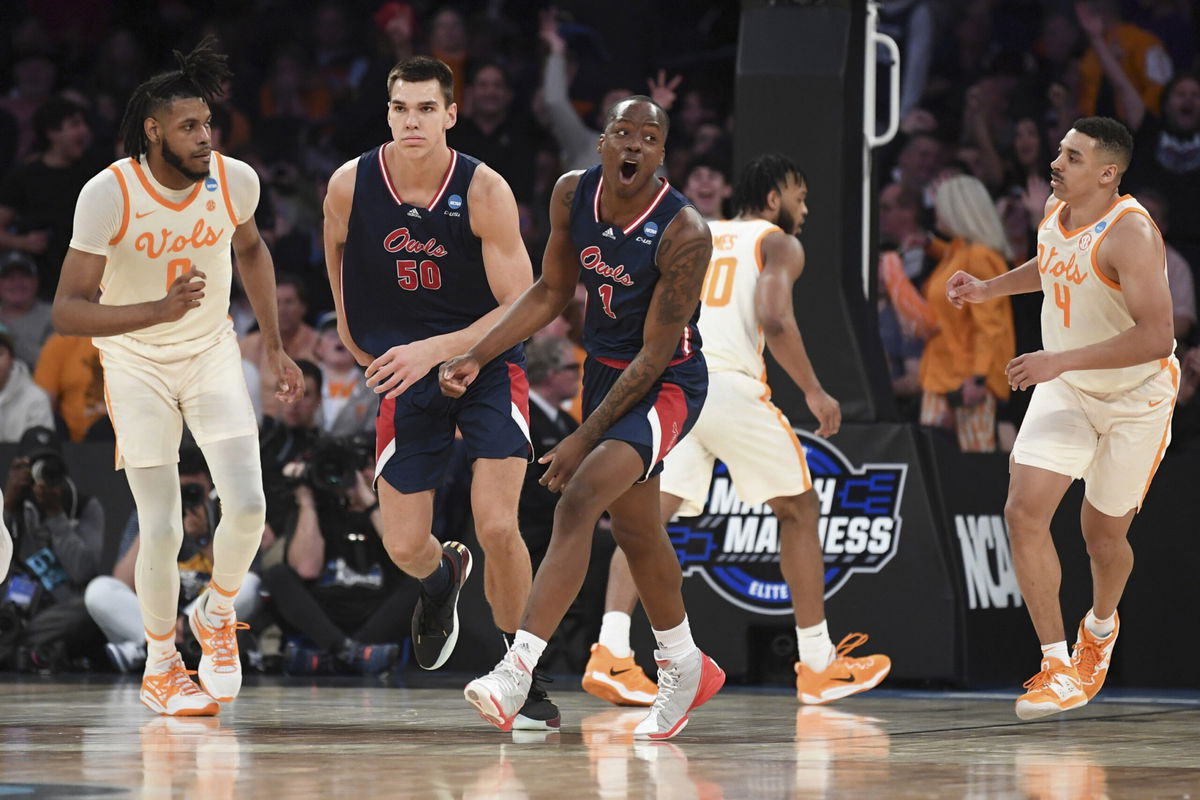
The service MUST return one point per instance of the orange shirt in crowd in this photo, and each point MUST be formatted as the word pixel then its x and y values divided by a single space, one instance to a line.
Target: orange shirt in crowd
pixel 1143 58
pixel 977 339
pixel 68 369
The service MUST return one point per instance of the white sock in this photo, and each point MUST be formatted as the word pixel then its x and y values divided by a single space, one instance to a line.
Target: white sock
pixel 158 651
pixel 676 643
pixel 1057 650
pixel 1100 628
pixel 614 633
pixel 532 643
pixel 218 603
pixel 815 647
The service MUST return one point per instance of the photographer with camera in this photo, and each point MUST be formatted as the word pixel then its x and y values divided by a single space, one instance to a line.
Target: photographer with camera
pixel 111 600
pixel 286 438
pixel 58 537
pixel 337 588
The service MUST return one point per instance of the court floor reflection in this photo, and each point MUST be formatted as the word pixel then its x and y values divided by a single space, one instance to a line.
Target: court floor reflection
pixel 93 739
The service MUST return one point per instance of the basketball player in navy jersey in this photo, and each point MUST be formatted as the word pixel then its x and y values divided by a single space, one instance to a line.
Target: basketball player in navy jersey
pixel 424 255
pixel 641 250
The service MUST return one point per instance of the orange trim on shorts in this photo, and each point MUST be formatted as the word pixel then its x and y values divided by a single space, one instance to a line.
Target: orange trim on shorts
pixel 166 637
pixel 124 205
pixel 158 198
pixel 213 585
pixel 766 399
pixel 111 420
pixel 1162 444
pixel 224 186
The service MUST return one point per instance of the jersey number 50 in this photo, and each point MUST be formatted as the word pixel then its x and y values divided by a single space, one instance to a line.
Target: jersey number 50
pixel 412 276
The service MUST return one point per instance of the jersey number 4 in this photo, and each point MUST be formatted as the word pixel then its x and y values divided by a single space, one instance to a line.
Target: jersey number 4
pixel 412 276
pixel 1062 299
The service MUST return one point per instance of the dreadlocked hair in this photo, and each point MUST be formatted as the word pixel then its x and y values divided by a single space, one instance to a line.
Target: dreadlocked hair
pixel 199 74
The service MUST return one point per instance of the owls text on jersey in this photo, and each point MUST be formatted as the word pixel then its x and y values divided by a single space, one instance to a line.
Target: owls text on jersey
pixel 410 272
pixel 619 270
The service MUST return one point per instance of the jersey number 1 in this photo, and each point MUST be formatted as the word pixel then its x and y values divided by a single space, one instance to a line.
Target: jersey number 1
pixel 605 291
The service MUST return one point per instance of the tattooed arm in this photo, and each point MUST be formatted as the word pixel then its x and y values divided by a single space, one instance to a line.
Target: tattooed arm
pixel 537 306
pixel 682 262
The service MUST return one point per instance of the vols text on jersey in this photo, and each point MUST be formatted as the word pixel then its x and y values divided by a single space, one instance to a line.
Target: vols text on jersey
pixel 734 546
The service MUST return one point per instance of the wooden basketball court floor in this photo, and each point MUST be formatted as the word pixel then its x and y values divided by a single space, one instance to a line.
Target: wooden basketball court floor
pixel 91 738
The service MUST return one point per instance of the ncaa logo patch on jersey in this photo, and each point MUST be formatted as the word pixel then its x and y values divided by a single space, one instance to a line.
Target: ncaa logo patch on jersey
pixel 454 201
pixel 734 547
pixel 650 229
pixel 1101 225
pixel 210 183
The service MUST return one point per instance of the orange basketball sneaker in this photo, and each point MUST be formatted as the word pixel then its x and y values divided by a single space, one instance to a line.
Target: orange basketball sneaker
pixel 620 681
pixel 220 669
pixel 844 676
pixel 1053 690
pixel 1092 656
pixel 170 690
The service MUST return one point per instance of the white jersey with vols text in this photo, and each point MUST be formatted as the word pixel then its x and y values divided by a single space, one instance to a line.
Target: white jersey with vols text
pixel 157 377
pixel 1109 427
pixel 1081 305
pixel 739 424
pixel 151 235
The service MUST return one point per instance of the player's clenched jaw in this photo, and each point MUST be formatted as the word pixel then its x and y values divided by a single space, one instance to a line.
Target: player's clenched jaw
pixel 181 131
pixel 632 146
pixel 419 117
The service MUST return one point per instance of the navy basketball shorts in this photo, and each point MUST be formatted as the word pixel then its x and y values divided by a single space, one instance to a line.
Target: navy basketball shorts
pixel 414 433
pixel 661 418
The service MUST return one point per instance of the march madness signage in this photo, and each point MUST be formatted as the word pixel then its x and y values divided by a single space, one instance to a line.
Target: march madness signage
pixel 735 546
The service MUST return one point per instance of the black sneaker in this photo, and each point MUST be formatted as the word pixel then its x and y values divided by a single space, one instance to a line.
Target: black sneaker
pixel 301 660
pixel 538 713
pixel 435 620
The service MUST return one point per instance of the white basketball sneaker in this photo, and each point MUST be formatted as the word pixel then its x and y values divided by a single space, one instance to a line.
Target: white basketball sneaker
pixel 499 695
pixel 682 686
pixel 220 667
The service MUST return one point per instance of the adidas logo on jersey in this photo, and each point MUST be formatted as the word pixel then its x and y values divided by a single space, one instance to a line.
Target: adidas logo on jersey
pixel 412 212
pixel 608 234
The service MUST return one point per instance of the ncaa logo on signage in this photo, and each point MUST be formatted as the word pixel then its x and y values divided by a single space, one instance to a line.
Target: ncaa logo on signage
pixel 734 546
pixel 210 183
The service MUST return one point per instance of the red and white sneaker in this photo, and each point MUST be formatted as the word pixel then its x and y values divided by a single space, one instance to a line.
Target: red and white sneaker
pixel 500 695
pixel 682 685
pixel 844 676
pixel 1053 690
pixel 1092 656
pixel 167 688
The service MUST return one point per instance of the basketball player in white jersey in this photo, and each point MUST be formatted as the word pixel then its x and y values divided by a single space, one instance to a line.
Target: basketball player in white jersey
pixel 148 275
pixel 1101 409
pixel 746 303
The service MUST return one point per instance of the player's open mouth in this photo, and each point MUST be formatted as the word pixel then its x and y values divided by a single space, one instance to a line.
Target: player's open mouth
pixel 628 171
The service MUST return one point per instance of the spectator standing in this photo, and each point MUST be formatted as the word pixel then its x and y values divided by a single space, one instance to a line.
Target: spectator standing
pixel 26 316
pixel 22 404
pixel 962 369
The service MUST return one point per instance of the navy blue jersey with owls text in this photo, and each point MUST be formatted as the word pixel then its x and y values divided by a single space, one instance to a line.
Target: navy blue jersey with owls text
pixel 619 268
pixel 410 272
